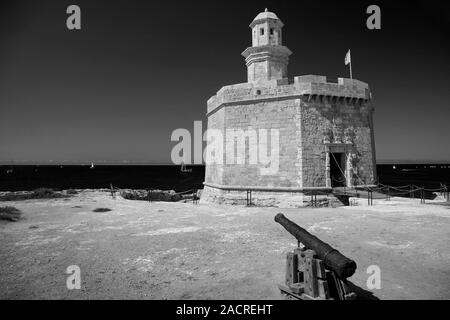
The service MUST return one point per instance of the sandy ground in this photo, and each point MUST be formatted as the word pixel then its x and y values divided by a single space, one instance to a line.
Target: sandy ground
pixel 142 250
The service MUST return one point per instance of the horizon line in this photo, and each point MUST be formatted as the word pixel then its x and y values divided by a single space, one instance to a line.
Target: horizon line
pixel 103 162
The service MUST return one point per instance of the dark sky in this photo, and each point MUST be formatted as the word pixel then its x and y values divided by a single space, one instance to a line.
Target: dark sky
pixel 137 70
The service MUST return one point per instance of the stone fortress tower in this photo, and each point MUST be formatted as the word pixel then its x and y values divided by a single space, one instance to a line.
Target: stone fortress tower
pixel 325 140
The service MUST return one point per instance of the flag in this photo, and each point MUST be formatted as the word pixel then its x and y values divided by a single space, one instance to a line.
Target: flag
pixel 348 58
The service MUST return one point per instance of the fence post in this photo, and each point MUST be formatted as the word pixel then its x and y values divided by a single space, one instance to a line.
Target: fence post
pixel 411 191
pixel 388 196
pixel 113 193
pixel 194 197
pixel 315 197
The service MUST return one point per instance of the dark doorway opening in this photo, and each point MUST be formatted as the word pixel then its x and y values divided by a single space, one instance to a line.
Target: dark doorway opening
pixel 337 169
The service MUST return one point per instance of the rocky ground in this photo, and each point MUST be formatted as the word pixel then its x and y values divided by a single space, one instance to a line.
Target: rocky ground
pixel 160 250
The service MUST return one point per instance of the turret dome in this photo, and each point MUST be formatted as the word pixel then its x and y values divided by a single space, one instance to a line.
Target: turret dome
pixel 262 16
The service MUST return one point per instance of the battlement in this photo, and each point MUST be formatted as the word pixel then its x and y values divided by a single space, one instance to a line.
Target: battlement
pixel 298 87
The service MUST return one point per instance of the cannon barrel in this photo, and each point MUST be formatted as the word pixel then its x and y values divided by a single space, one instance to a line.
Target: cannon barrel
pixel 333 259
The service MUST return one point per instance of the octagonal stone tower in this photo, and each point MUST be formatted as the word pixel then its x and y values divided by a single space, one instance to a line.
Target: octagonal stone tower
pixel 318 133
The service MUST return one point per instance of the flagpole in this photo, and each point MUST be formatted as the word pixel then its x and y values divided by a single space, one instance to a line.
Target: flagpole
pixel 350 58
pixel 351 75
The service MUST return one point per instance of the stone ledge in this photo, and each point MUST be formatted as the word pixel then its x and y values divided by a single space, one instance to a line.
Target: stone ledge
pixel 261 188
pixel 264 198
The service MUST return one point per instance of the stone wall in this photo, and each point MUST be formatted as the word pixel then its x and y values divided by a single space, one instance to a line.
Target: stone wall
pixel 312 116
pixel 352 127
pixel 214 172
pixel 267 38
pixel 280 115
pixel 259 198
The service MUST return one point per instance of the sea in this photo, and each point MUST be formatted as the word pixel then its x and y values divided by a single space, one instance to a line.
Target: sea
pixel 167 177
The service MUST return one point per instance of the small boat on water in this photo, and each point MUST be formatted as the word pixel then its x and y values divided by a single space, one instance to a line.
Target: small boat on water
pixel 10 170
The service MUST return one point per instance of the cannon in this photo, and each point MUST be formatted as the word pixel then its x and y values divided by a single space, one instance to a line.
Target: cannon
pixel 333 259
pixel 317 270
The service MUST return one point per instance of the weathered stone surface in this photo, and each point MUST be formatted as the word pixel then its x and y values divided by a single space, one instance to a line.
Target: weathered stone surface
pixel 314 118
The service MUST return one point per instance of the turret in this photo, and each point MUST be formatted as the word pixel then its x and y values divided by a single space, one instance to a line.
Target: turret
pixel 267 58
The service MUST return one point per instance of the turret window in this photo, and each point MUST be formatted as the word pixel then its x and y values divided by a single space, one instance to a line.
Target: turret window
pixel 271 31
pixel 261 31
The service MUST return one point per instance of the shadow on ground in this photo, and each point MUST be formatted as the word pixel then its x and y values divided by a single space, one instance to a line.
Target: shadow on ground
pixel 361 294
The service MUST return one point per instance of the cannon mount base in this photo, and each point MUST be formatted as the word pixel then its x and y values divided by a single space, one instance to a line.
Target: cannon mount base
pixel 307 278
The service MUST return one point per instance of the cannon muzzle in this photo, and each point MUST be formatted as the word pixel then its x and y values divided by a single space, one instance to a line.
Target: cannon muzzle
pixel 333 259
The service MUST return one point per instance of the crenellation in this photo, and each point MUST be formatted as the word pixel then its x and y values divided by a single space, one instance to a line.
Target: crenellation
pixel 310 86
